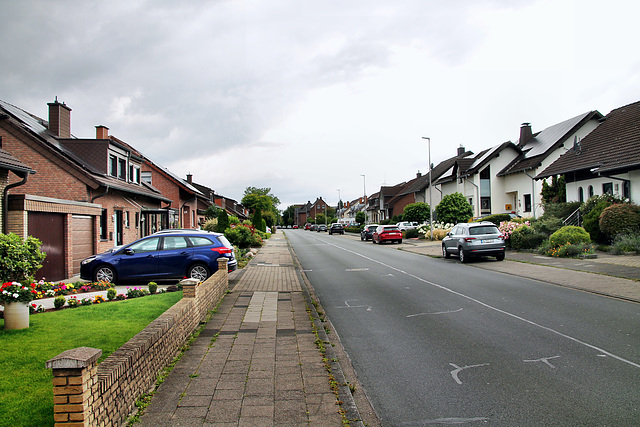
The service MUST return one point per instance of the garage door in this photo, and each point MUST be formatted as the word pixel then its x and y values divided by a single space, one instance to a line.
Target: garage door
pixel 82 237
pixel 49 228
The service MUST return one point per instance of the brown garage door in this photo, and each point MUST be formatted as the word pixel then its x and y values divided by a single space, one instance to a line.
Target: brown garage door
pixel 82 235
pixel 49 228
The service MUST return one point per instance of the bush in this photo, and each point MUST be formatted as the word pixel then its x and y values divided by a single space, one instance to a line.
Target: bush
pixel 411 233
pixel 19 258
pixel 626 243
pixel 223 221
pixel 134 293
pixel 620 219
pixel 560 210
pixel 153 287
pixel 73 302
pixel 352 229
pixel 59 301
pixel 210 225
pixel 243 236
pixel 454 208
pixel 591 221
pixel 497 218
pixel 569 234
pixel 570 250
pixel 547 225
pixel 111 294
pixel 415 212
pixel 526 237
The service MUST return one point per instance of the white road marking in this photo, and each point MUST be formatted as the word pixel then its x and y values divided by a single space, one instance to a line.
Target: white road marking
pixel 544 360
pixel 498 310
pixel 459 369
pixel 439 312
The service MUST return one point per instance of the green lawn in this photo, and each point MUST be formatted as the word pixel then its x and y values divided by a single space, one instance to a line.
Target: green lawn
pixel 26 391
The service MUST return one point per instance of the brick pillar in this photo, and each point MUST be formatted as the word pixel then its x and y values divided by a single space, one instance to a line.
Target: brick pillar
pixel 189 288
pixel 223 266
pixel 74 375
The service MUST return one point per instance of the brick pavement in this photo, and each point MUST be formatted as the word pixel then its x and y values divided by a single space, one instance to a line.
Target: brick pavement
pixel 255 363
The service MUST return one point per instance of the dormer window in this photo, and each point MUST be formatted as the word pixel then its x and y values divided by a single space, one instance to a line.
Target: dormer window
pixel 122 169
pixel 113 166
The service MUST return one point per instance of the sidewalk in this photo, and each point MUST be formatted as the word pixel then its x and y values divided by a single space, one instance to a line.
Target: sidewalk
pixel 256 362
pixel 611 275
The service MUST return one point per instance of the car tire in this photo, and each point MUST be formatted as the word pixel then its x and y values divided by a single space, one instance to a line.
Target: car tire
pixel 462 254
pixel 500 257
pixel 361 237
pixel 199 272
pixel 445 254
pixel 105 273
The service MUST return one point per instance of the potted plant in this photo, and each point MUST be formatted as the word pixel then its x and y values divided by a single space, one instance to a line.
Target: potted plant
pixel 16 297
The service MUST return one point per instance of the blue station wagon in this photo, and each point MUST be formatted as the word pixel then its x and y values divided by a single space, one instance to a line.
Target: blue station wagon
pixel 164 255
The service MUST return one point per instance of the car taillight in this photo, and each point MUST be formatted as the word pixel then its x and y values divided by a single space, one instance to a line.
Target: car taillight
pixel 468 239
pixel 223 250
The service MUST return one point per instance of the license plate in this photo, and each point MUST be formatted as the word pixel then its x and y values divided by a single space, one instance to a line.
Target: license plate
pixel 488 241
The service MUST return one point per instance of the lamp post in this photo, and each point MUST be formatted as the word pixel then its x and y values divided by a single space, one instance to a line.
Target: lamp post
pixel 338 205
pixel 430 199
pixel 364 185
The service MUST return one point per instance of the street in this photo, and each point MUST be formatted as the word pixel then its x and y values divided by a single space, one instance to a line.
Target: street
pixel 434 341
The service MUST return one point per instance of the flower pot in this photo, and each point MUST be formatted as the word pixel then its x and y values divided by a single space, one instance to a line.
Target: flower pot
pixel 16 315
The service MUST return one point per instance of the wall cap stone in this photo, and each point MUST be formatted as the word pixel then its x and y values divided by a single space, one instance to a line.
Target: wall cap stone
pixel 75 358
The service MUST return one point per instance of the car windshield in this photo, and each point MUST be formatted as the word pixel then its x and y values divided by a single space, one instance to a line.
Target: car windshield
pixel 487 229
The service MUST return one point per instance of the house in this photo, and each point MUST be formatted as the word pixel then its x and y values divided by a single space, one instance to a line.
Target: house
pixel 86 195
pixel 9 164
pixel 607 160
pixel 519 189
pixel 309 211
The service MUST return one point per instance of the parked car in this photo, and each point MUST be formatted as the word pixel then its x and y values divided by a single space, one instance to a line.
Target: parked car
pixel 336 228
pixel 321 227
pixel 295 227
pixel 406 225
pixel 163 255
pixel 387 233
pixel 314 227
pixel 472 239
pixel 367 231
pixel 307 226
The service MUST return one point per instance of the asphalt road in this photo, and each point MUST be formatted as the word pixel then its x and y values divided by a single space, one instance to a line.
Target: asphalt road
pixel 434 341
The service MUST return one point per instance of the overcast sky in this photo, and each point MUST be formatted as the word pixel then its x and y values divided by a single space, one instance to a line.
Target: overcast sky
pixel 306 97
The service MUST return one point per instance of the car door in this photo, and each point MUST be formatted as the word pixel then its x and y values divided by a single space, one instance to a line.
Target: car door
pixel 174 256
pixel 139 259
pixel 452 242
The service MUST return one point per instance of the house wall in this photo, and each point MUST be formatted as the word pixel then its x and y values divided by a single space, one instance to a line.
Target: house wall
pixel 4 181
pixel 171 190
pixel 597 182
pixel 398 206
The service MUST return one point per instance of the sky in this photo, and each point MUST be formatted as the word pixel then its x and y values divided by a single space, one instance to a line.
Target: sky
pixel 326 99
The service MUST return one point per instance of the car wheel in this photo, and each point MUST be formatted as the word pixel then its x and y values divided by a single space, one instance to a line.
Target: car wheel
pixel 445 254
pixel 361 237
pixel 199 272
pixel 500 257
pixel 105 273
pixel 462 254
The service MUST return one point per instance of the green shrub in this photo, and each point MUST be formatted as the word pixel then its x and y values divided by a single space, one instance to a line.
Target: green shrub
pixel 19 258
pixel 569 250
pixel 111 294
pixel 223 221
pixel 411 233
pixel 619 219
pixel 454 208
pixel 591 222
pixel 569 234
pixel 59 301
pixel 526 237
pixel 415 212
pixel 134 293
pixel 243 236
pixel 547 225
pixel 353 229
pixel 497 218
pixel 560 210
pixel 210 225
pixel 629 242
pixel 153 287
pixel 73 302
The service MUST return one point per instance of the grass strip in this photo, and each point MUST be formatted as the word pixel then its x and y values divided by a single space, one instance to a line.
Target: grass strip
pixel 26 391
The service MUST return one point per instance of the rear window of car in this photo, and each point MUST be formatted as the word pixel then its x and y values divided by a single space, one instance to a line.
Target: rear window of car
pixel 487 229
pixel 390 228
pixel 200 241
pixel 225 242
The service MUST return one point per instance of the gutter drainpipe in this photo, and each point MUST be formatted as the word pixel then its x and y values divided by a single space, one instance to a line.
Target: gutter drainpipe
pixel 5 200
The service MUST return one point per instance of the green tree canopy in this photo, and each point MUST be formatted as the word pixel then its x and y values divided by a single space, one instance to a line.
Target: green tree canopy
pixel 260 198
pixel 223 221
pixel 361 218
pixel 556 192
pixel 288 216
pixel 416 212
pixel 454 208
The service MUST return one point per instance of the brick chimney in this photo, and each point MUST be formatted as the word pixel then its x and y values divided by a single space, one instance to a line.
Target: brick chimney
pixel 419 174
pixel 59 119
pixel 525 134
pixel 102 132
pixel 190 178
pixel 461 150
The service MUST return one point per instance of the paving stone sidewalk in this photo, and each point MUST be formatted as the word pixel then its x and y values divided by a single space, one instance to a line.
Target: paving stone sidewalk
pixel 255 363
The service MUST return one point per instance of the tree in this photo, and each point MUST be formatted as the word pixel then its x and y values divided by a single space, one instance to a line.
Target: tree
pixel 288 216
pixel 453 209
pixel 261 198
pixel 321 219
pixel 556 192
pixel 223 221
pixel 361 218
pixel 258 222
pixel 212 212
pixel 416 212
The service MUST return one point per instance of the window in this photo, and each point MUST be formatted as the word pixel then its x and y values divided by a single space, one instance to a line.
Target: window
pixel 590 190
pixel 580 194
pixel 485 173
pixel 200 241
pixel 527 202
pixel 626 189
pixel 122 169
pixel 137 219
pixel 174 242
pixel 607 188
pixel 103 225
pixel 146 177
pixel 126 219
pixel 148 245
pixel 134 174
pixel 113 166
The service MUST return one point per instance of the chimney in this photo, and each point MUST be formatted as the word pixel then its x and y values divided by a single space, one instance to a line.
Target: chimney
pixel 102 132
pixel 461 150
pixel 419 174
pixel 59 119
pixel 190 178
pixel 525 134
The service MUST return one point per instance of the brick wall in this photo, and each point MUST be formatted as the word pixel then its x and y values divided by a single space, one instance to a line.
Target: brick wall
pixel 86 394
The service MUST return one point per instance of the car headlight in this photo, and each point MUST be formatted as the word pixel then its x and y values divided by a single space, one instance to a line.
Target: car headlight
pixel 88 260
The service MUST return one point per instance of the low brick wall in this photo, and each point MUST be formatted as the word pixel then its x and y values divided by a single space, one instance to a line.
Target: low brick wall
pixel 88 394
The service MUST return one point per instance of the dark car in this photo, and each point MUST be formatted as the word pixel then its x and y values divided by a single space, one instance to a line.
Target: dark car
pixel 367 231
pixel 164 255
pixel 336 229
pixel 471 239
pixel 321 227
pixel 385 233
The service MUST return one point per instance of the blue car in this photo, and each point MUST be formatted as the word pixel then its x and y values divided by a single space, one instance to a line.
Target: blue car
pixel 164 255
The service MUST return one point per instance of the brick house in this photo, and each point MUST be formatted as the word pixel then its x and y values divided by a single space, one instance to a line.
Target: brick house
pixel 86 195
pixel 9 164
pixel 309 211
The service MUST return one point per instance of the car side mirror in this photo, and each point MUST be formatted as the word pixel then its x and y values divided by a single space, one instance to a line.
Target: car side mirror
pixel 449 234
pixel 128 251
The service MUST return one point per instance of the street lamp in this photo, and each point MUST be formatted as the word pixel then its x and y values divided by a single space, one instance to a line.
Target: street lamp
pixel 364 185
pixel 430 199
pixel 338 205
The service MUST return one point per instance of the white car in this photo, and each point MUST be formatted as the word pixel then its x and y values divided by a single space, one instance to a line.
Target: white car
pixel 406 225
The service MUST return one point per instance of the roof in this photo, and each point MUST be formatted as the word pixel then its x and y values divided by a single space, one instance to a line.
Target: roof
pixel 545 142
pixel 613 146
pixel 7 161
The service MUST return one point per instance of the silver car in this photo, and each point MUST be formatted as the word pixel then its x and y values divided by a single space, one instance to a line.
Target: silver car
pixel 474 239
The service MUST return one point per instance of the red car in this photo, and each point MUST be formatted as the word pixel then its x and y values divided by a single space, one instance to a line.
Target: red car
pixel 387 232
